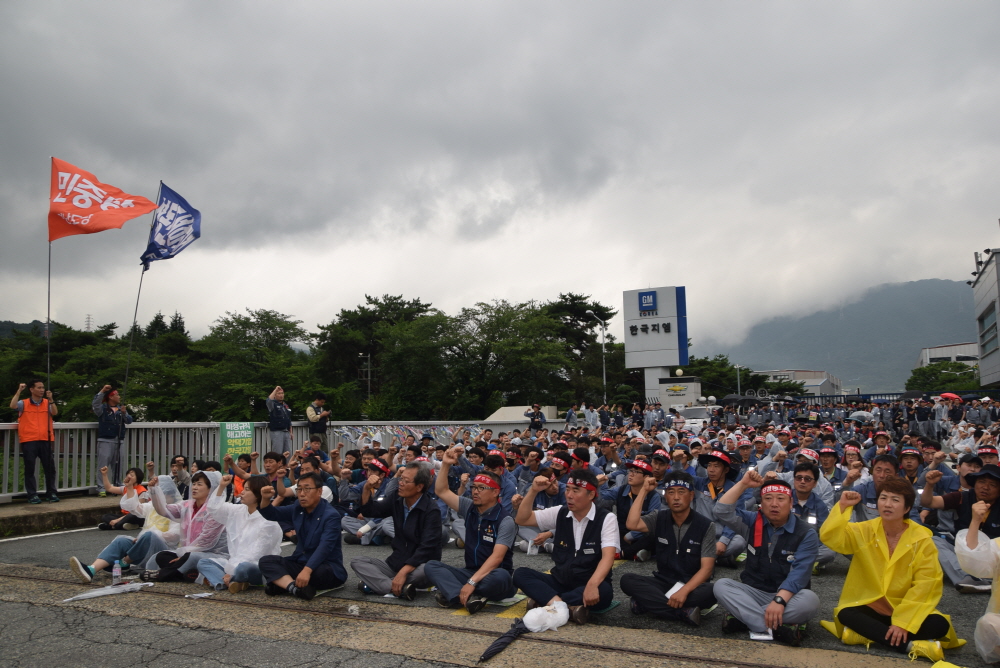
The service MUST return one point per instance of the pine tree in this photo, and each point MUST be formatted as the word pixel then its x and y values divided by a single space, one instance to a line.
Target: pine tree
pixel 157 326
pixel 177 324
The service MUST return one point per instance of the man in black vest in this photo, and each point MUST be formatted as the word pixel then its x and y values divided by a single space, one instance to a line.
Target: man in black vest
pixel 417 539
pixel 585 544
pixel 773 594
pixel 684 546
pixel 985 486
pixel 489 540
pixel 279 421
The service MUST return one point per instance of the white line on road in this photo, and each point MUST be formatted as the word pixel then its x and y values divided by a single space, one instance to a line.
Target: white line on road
pixel 43 535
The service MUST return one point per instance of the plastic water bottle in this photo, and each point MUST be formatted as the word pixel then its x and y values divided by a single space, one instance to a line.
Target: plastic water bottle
pixel 116 573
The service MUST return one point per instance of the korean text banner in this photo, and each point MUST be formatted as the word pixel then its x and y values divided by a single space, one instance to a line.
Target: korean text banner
pixel 175 227
pixel 80 204
pixel 235 439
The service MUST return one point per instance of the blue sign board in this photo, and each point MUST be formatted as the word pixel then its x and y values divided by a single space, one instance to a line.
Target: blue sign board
pixel 647 301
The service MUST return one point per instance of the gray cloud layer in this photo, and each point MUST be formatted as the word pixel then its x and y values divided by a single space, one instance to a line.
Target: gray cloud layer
pixel 773 157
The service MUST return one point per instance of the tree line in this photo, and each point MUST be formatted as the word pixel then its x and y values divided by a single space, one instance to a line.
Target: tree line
pixel 390 358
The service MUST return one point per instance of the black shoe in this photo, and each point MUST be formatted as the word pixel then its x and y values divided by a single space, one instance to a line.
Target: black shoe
pixel 351 539
pixel 409 591
pixel 691 616
pixel 579 614
pixel 306 593
pixel 272 589
pixel 53 498
pixel 732 625
pixel 441 600
pixel 635 607
pixel 104 526
pixel 365 589
pixel 788 634
pixel 475 604
pixel 530 604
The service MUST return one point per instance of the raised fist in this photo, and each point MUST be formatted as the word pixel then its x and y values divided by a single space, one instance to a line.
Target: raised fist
pixel 980 510
pixel 850 498
pixel 267 493
pixel 933 477
pixel 226 479
pixel 104 470
pixel 254 456
pixel 540 483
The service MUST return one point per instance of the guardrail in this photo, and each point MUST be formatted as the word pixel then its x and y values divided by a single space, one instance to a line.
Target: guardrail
pixel 75 447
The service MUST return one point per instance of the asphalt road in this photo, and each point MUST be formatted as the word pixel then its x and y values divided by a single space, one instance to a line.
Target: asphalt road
pixel 53 551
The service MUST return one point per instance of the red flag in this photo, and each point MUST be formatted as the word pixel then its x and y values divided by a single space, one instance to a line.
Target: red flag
pixel 80 204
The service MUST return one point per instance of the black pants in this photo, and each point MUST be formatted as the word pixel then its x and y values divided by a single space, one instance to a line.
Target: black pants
pixel 874 626
pixel 650 593
pixel 32 450
pixel 274 567
pixel 643 542
pixel 126 519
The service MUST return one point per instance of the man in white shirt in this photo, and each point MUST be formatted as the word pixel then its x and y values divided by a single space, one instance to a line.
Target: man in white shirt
pixel 585 544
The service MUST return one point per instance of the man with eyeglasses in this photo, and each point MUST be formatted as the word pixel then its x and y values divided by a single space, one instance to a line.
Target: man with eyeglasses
pixel 489 539
pixel 809 507
pixel 317 562
pixel 417 539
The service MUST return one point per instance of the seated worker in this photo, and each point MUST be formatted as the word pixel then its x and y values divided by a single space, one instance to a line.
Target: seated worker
pixel 808 507
pixel 201 535
pixel 728 543
pixel 124 519
pixel 979 556
pixel 773 593
pixel 894 582
pixel 585 545
pixel 489 539
pixel 580 461
pixel 684 546
pixel 986 488
pixel 417 538
pixel 883 467
pixel 158 534
pixel 944 520
pixel 249 537
pixel 361 530
pixel 551 496
pixel 824 490
pixel 636 545
pixel 828 468
pixel 530 469
pixel 317 562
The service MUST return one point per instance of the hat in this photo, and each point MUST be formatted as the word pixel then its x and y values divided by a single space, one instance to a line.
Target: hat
pixel 808 454
pixel 426 437
pixel 785 432
pixel 745 443
pixel 910 450
pixel 515 441
pixel 970 459
pixel 681 446
pixel 881 433
pixel 641 465
pixel 715 456
pixel 645 449
pixel 759 439
pixel 828 451
pixel 990 470
pixel 661 456
pixel 986 449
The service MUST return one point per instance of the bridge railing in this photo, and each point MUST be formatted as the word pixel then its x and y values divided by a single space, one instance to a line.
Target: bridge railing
pixel 75 446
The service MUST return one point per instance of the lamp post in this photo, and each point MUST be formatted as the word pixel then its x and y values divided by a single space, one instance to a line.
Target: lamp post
pixel 604 368
pixel 738 367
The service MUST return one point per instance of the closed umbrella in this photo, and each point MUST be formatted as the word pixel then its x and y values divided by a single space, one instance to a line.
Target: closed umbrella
pixel 516 629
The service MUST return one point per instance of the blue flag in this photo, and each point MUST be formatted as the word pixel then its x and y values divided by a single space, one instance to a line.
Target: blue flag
pixel 175 227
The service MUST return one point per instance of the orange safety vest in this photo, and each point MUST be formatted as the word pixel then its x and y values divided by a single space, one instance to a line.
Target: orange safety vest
pixel 35 423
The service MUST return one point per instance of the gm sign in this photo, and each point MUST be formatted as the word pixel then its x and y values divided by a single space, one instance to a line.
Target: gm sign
pixel 647 301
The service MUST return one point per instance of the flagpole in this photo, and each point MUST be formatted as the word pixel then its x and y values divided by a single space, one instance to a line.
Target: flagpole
pixel 48 327
pixel 135 315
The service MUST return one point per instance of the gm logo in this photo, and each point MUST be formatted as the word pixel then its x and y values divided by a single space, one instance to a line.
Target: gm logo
pixel 647 301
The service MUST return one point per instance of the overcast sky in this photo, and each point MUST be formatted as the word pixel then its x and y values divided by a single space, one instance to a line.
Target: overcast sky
pixel 774 157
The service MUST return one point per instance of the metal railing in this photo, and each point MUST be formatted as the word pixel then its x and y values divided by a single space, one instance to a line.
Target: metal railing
pixel 75 445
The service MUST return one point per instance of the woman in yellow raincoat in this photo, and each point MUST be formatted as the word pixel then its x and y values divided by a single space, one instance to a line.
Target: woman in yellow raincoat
pixel 894 583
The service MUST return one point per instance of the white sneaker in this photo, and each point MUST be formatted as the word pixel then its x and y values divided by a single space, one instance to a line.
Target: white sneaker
pixel 643 555
pixel 522 545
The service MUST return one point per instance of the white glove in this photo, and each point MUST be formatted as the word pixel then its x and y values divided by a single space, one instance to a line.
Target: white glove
pixel 547 618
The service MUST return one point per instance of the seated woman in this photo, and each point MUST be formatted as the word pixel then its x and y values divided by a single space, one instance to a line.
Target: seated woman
pixel 894 582
pixel 979 556
pixel 201 535
pixel 158 533
pixel 249 537
pixel 123 520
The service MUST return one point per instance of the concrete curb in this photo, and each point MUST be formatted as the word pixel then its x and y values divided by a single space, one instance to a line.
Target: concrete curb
pixel 69 513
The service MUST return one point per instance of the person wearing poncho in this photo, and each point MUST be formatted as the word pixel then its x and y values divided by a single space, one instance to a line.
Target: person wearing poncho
pixel 894 583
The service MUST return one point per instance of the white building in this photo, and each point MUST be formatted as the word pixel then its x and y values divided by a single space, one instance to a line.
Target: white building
pixel 953 352
pixel 816 382
pixel 985 294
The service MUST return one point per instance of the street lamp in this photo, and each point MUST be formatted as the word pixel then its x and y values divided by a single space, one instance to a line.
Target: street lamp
pixel 738 367
pixel 604 368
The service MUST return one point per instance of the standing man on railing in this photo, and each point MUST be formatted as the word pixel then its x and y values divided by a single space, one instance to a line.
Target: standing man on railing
pixel 111 420
pixel 317 420
pixel 34 430
pixel 279 421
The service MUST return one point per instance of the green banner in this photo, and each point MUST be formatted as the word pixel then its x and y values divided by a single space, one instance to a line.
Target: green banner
pixel 235 439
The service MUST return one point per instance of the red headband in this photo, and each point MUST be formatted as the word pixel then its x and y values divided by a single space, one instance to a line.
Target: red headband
pixel 640 464
pixel 579 482
pixel 775 489
pixel 495 452
pixel 573 455
pixel 486 480
pixel 379 465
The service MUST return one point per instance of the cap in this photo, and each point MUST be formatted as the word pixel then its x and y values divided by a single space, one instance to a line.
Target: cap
pixel 881 433
pixel 745 443
pixel 968 458
pixel 828 451
pixel 808 454
pixel 581 455
pixel 910 450
pixel 645 449
pixel 986 450
pixel 515 441
pixel 660 455
pixel 715 456
pixel 427 437
pixel 641 465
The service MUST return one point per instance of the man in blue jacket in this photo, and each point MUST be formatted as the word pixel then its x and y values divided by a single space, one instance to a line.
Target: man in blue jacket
pixel 318 562
pixel 111 420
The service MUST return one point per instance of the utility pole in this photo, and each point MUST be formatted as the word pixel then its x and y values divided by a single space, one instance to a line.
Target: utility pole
pixel 604 367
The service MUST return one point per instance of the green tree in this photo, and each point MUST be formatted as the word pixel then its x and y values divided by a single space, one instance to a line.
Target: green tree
pixel 943 377
pixel 157 326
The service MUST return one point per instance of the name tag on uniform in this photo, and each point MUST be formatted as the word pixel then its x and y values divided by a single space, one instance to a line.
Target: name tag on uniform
pixel 871 505
pixel 811 520
pixel 662 540
pixel 488 539
pixel 751 550
pixel 588 550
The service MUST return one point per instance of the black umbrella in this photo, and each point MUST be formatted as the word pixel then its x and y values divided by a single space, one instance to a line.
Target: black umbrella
pixel 749 401
pixel 731 399
pixel 912 394
pixel 516 629
pixel 880 401
pixel 970 397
